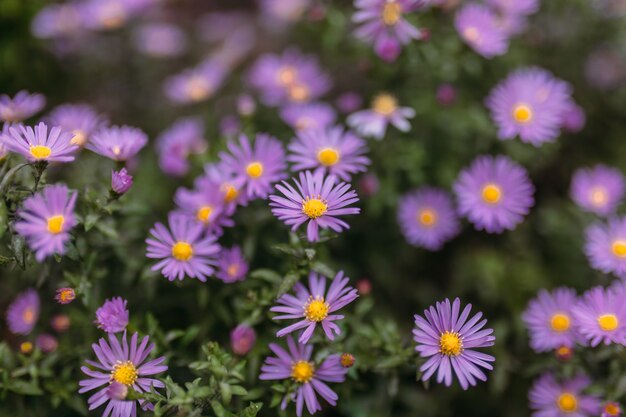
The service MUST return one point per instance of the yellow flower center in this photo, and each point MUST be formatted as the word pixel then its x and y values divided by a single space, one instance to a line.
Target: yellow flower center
pixel 299 92
pixel 302 371
pixel 522 113
pixel 608 322
pixel 314 207
pixel 230 192
pixel 40 151
pixel 567 402
pixel 471 34
pixel 619 248
pixel 612 409
pixel 80 138
pixel 66 296
pixel 287 75
pixel 598 196
pixel 28 315
pixel 560 322
pixel 427 217
pixel 55 224
pixel 204 213
pixel 182 251
pixel 450 344
pixel 392 12
pixel 491 193
pixel 26 347
pixel 124 373
pixel 328 156
pixel 254 170
pixel 198 88
pixel 384 104
pixel 316 309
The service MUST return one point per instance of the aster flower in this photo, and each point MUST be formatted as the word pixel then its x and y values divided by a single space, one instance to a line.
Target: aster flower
pixel 60 322
pixel 282 12
pixel 206 205
pixel 605 246
pixel 601 316
pixel 297 364
pixel 160 40
pixel 258 166
pixel 382 24
pixel 112 316
pixel 494 193
pixel 118 143
pixel 599 189
pixel 314 305
pixel 112 14
pixel 47 343
pixel 46 220
pixel 121 181
pixel 349 102
pixel 573 118
pixel 549 320
pixel 289 78
pixel 232 265
pixel 183 138
pixel 427 218
pixel 183 250
pixel 57 20
pixel 21 107
pixel 196 84
pixel 317 200
pixel 611 409
pixel 38 144
pixel 448 339
pixel 529 103
pixel 23 312
pixel 478 26
pixel 384 110
pixel 242 339
pixel 124 364
pixel 230 184
pixel 329 150
pixel 308 116
pixel 65 295
pixel 549 398
pixel 80 119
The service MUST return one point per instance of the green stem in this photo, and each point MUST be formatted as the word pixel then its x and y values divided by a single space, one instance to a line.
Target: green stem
pixel 9 175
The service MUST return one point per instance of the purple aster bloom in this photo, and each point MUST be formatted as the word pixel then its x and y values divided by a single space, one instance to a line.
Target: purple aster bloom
pixel 282 12
pixel 517 7
pixel 448 339
pixel 612 409
pixel 112 316
pixel 196 84
pixel 118 143
pixel 20 107
pixel 242 339
pixel 314 305
pixel 121 181
pixel 549 398
pixel 47 343
pixel 183 250
pixel 428 218
pixel 605 246
pixel 297 365
pixel 230 126
pixel 573 118
pixel 529 103
pixel 112 14
pixel 317 200
pixel 246 106
pixel 308 116
pixel 40 145
pixel 206 205
pixel 230 184
pixel 23 312
pixel 123 364
pixel 46 220
pixel 160 40
pixel 446 95
pixel 479 28
pixel 549 320
pixel 232 265
pixel 184 137
pixel 80 119
pixel 349 102
pixel 330 151
pixel 599 189
pixel 288 78
pixel 385 109
pixel 494 193
pixel 65 295
pixel 601 316
pixel 57 20
pixel 258 166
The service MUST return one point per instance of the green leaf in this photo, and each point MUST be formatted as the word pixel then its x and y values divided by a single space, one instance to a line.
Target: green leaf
pixel 289 281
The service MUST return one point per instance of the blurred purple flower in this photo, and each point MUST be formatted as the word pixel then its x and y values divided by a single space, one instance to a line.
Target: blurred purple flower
pixel 23 312
pixel 195 84
pixel 160 40
pixel 118 143
pixel 601 315
pixel 446 95
pixel 549 398
pixel 242 339
pixel 599 190
pixel 349 102
pixel 21 107
pixel 79 119
pixel 612 409
pixel 121 181
pixel 65 295
pixel 478 26
pixel 112 14
pixel 58 20
pixel 308 116
pixel 232 265
pixel 47 343
pixel 605 246
pixel 246 106
pixel 384 110
pixel 205 204
pixel 112 316
pixel 573 118
pixel 277 13
pixel 183 138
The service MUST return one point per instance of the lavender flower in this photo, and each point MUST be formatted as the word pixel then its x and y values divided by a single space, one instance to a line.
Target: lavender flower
pixel 80 119
pixel 112 316
pixel 309 116
pixel 349 102
pixel 573 118
pixel 518 7
pixel 601 316
pixel 478 26
pixel 384 110
pixel 21 107
pixel 232 265
pixel 23 312
pixel 65 295
pixel 599 189
pixel 57 20
pixel 242 339
pixel 196 84
pixel 112 14
pixel 549 398
pixel 160 40
pixel 121 181
pixel 206 205
pixel 230 184
pixel 39 145
pixel 183 138
pixel 118 143
pixel 605 246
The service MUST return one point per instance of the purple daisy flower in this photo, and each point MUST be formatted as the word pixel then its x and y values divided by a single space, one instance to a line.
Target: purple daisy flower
pixel 384 110
pixel 112 14
pixel 448 339
pixel 382 24
pixel 549 320
pixel 573 118
pixel 40 145
pixel 112 316
pixel 183 250
pixel 232 265
pixel 605 246
pixel 314 305
pixel 230 184
pixel 160 40
pixel 289 78
pixel 23 312
pixel 21 107
pixel 331 150
pixel 308 116
pixel 205 204
pixel 46 220
pixel 494 193
pixel 599 189
pixel 529 103
pixel 118 143
pixel 478 26
pixel 57 20
pixel 317 200
pixel 183 138
pixel 196 84
pixel 427 218
pixel 80 119
pixel 242 339
pixel 258 166
pixel 297 365
pixel 549 398
pixel 124 364
pixel 121 181
pixel 601 316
